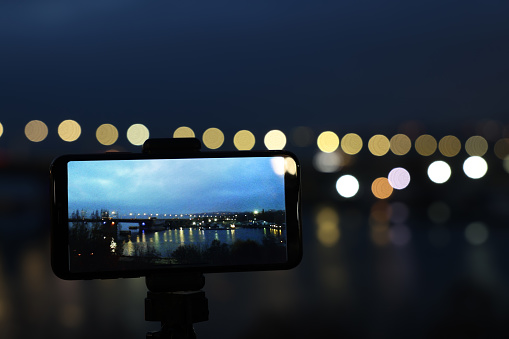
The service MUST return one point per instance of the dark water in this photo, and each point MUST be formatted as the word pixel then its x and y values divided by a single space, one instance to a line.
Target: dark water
pixel 165 242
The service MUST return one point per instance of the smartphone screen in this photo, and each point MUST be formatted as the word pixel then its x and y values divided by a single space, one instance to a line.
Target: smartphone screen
pixel 207 213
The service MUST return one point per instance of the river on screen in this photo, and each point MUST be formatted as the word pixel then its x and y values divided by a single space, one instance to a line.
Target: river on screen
pixel 166 241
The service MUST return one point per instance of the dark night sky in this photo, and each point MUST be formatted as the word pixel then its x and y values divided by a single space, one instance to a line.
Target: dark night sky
pixel 257 65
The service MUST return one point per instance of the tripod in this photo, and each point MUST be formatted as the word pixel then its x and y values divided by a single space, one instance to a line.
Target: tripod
pixel 176 300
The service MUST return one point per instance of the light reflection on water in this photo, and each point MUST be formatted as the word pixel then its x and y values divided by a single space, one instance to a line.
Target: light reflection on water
pixel 165 242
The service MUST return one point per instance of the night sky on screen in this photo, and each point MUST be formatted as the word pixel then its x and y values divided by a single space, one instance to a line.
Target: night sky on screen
pixel 175 186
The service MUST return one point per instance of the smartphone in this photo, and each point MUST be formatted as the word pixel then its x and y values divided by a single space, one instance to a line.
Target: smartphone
pixel 120 215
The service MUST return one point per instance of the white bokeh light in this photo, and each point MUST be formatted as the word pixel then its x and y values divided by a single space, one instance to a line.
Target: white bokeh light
pixel 477 233
pixel 347 186
pixel 475 167
pixel 439 172
pixel 399 178
pixel 327 162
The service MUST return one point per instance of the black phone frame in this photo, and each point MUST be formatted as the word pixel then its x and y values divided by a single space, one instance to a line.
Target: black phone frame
pixel 59 215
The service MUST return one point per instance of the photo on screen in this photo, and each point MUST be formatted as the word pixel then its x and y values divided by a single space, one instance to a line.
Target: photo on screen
pixel 155 213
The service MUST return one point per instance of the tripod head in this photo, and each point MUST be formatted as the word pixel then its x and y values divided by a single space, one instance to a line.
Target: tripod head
pixel 177 302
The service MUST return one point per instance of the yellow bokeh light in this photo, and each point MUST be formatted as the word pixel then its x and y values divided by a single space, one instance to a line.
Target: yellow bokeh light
pixel 213 138
pixel 381 188
pixel 183 132
pixel 137 134
pixel 327 214
pixel 275 140
pixel 501 148
pixel 290 166
pixel 476 146
pixel 400 144
pixel 351 143
pixel 1 129
pixel 379 145
pixel 449 146
pixel 426 145
pixel 328 142
pixel 106 134
pixel 381 212
pixel 69 130
pixel 244 140
pixel 327 221
pixel 380 234
pixel 36 131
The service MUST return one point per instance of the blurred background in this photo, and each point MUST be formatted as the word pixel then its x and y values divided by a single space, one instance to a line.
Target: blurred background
pixel 397 110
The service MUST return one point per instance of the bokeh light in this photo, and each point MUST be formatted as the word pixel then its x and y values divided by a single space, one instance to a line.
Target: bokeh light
pixel 278 165
pixel 476 145
pixel 476 233
pixel 302 136
pixel 475 167
pixel 379 145
pixel 425 145
pixel 106 134
pixel 439 172
pixel 381 188
pixel 381 212
pixel 400 144
pixel 69 130
pixel 399 212
pixel 244 140
pixel 449 146
pixel 327 221
pixel 351 143
pixel 400 235
pixel 347 186
pixel 399 178
pixel 327 162
pixel 275 140
pixel 36 131
pixel 439 212
pixel 380 234
pixel 1 129
pixel 328 141
pixel 137 134
pixel 501 148
pixel 213 138
pixel 183 132
pixel 290 166
pixel 506 164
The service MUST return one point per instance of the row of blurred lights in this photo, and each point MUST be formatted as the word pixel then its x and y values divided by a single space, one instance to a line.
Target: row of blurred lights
pixel 107 134
pixel 327 142
pixel 398 178
pixel 388 225
pixel 331 156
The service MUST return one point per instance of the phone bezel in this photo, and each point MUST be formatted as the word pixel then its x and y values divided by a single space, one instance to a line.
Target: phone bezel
pixel 60 229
